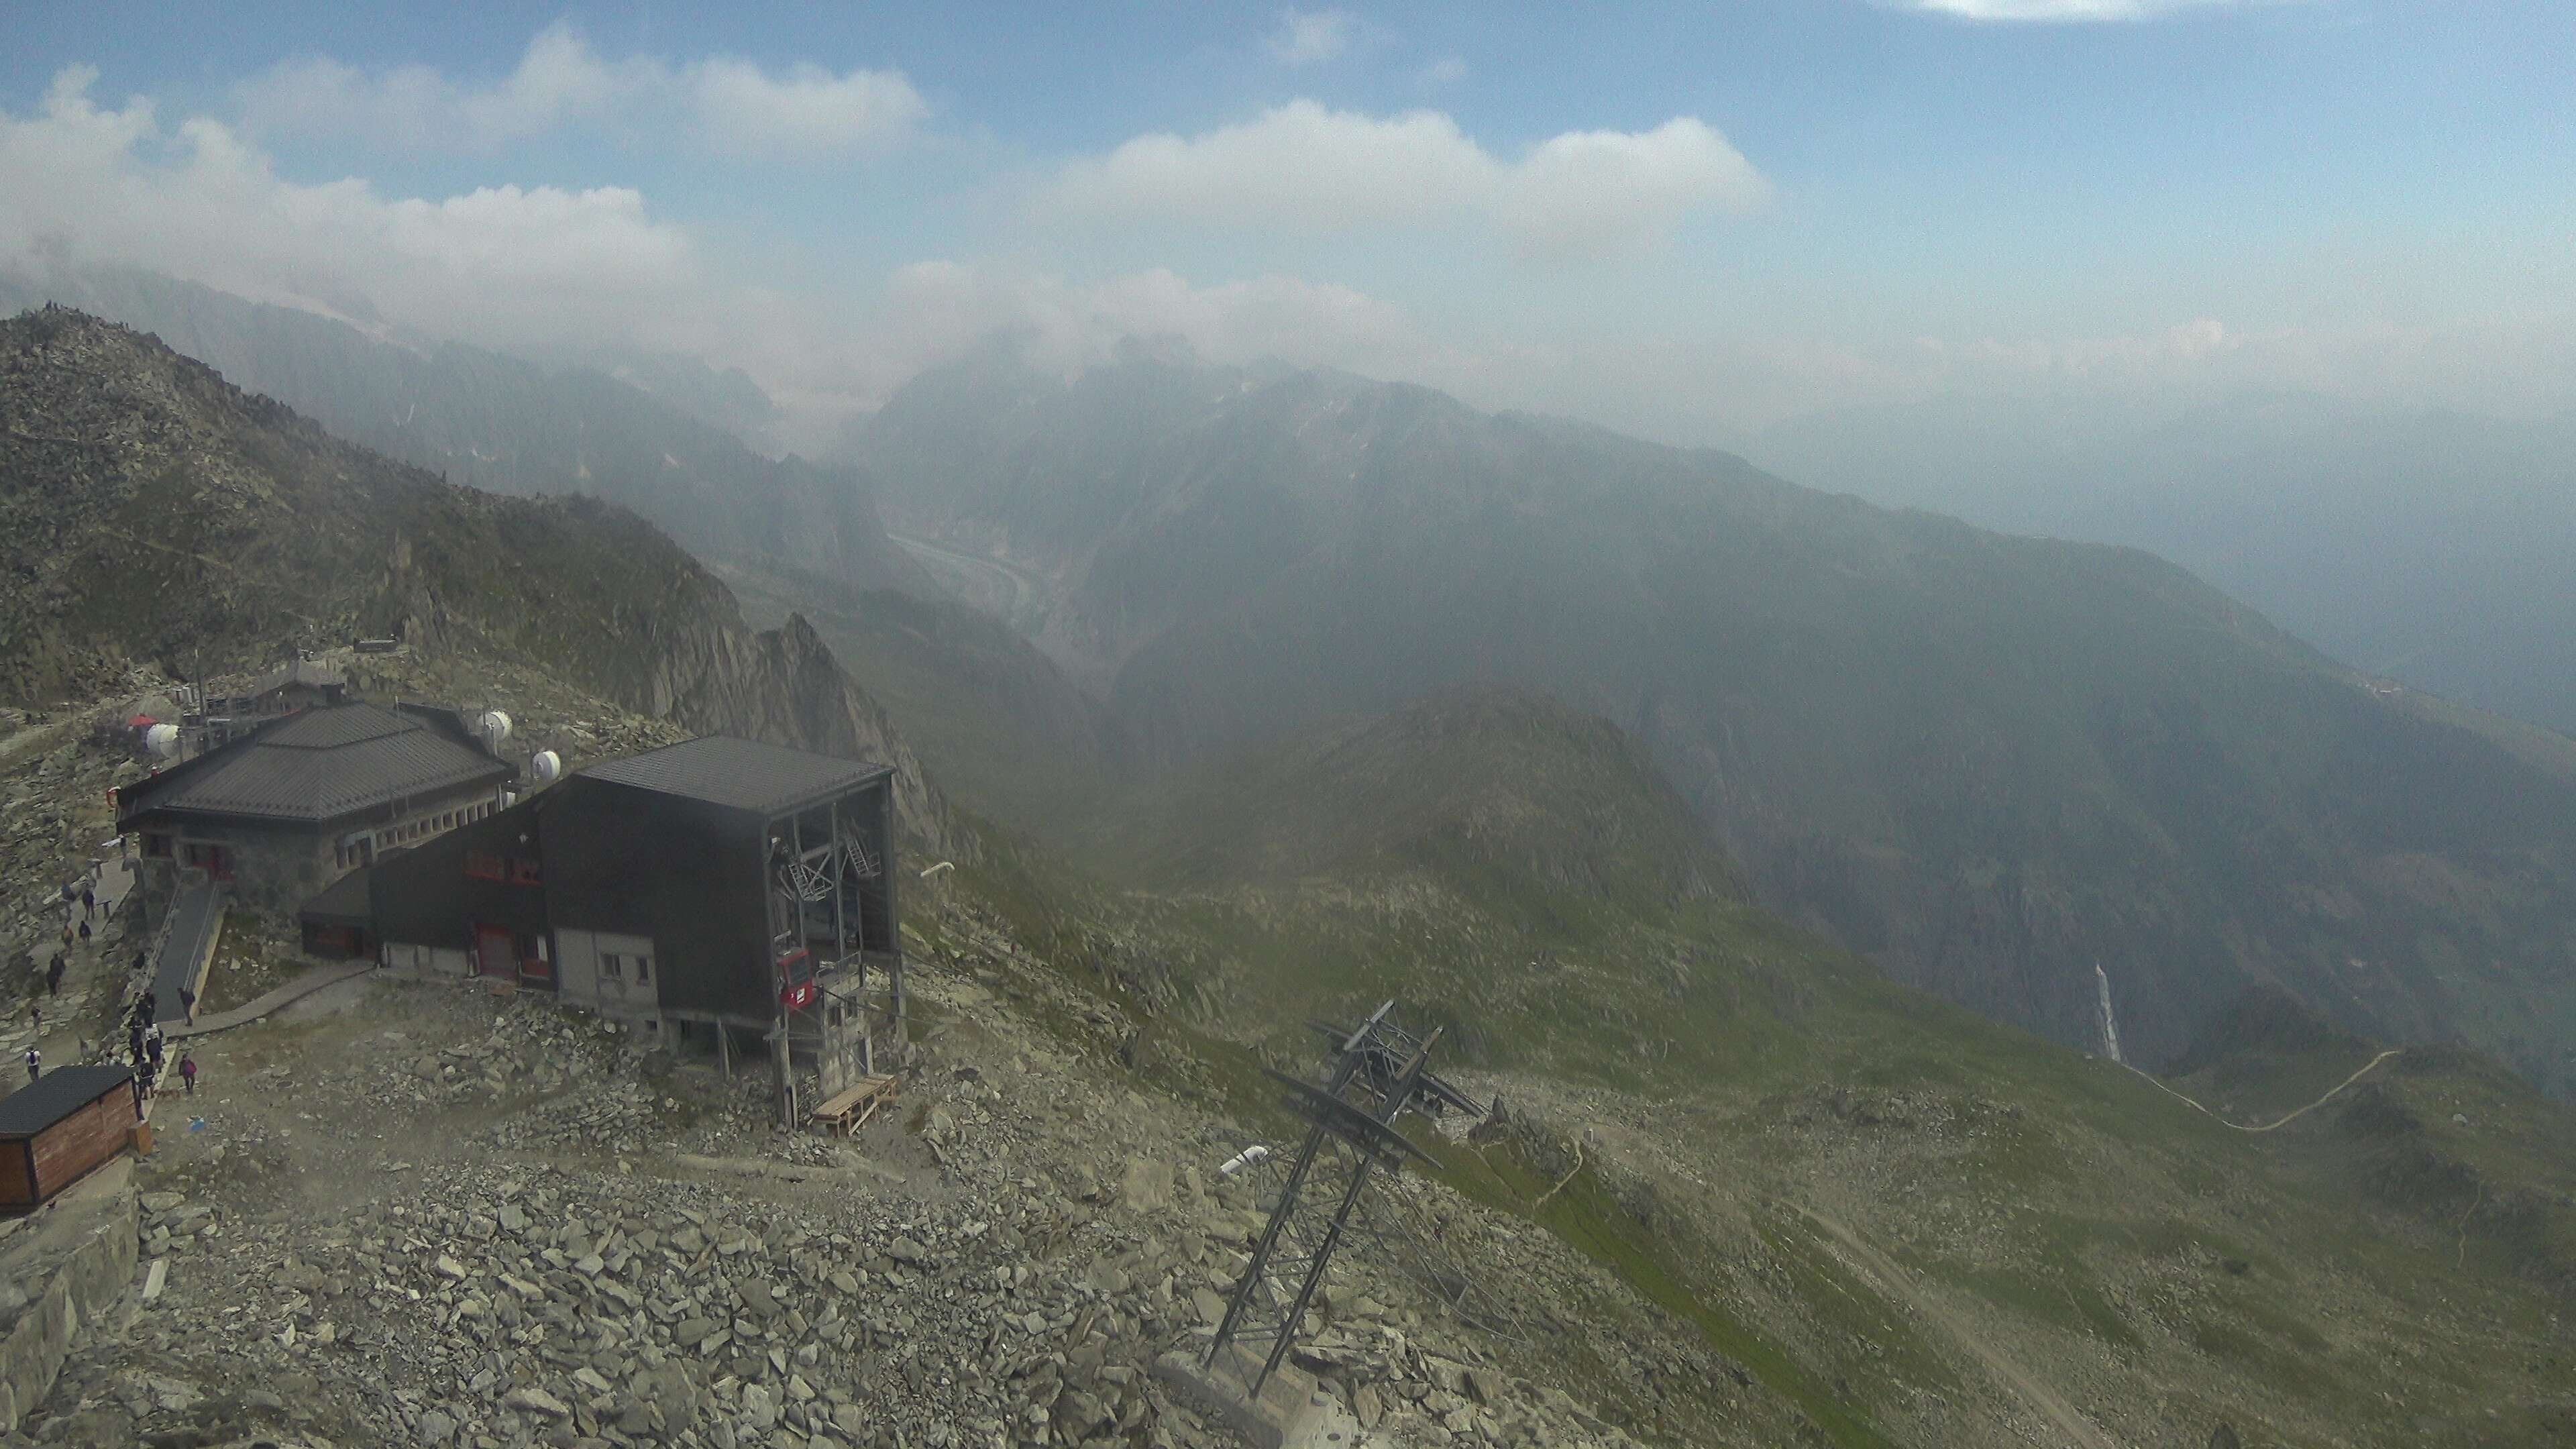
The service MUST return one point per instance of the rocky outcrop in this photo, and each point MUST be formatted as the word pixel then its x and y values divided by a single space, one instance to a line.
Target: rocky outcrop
pixel 66 1266
pixel 783 685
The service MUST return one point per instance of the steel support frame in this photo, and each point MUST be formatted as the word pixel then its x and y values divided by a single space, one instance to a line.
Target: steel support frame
pixel 1368 1135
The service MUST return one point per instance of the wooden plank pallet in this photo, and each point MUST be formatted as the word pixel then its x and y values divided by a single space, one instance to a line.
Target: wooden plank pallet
pixel 850 1109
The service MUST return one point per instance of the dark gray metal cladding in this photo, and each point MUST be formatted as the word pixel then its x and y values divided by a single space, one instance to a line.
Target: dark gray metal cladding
pixel 739 774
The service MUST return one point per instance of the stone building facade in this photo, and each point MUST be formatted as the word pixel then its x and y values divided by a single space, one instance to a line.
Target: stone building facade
pixel 282 812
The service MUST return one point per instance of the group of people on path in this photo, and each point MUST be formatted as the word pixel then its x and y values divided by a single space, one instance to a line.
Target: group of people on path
pixel 144 1040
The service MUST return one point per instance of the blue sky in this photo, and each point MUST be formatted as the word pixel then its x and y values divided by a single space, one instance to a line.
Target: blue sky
pixel 1686 220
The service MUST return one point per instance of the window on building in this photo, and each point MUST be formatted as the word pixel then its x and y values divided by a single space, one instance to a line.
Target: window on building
pixel 525 872
pixel 610 967
pixel 643 968
pixel 157 845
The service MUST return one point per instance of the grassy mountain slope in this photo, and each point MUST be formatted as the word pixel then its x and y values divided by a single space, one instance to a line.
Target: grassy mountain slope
pixel 160 515
pixel 1916 1226
pixel 508 425
pixel 1984 762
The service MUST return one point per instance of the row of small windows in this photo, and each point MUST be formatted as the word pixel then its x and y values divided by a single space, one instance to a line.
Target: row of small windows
pixel 361 850
pixel 613 967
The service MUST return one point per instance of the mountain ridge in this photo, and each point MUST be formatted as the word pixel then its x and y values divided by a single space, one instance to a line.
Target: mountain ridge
pixel 510 425
pixel 164 516
pixel 1984 761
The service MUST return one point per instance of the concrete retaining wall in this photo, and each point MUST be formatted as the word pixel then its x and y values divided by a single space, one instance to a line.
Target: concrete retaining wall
pixel 82 1250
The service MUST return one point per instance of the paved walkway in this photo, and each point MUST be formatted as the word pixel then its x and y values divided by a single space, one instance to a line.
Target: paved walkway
pixel 267 1003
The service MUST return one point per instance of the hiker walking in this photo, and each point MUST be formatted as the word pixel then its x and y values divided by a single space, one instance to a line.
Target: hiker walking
pixel 54 975
pixel 36 1017
pixel 84 932
pixel 188 1072
pixel 134 1043
pixel 35 1064
pixel 89 902
pixel 188 1003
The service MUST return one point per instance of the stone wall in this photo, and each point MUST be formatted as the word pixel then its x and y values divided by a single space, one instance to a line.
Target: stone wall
pixel 72 1261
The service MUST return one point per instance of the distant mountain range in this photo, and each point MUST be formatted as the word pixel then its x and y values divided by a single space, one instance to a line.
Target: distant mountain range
pixel 2437 548
pixel 512 426
pixel 1985 762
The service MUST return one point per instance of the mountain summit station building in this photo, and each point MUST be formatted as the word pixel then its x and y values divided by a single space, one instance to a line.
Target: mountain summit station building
pixel 717 890
pixel 280 811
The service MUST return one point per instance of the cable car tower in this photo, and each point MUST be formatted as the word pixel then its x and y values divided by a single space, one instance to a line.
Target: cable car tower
pixel 1375 1072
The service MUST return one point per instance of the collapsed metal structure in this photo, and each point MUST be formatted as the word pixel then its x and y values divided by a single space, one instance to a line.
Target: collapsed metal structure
pixel 1376 1072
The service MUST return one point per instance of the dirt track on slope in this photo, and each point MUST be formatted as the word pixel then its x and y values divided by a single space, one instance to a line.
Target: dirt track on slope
pixel 1896 1282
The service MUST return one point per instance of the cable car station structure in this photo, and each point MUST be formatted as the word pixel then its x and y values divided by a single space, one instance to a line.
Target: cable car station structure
pixel 717 891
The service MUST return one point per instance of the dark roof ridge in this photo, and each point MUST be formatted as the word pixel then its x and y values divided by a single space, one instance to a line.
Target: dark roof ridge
pixel 737 773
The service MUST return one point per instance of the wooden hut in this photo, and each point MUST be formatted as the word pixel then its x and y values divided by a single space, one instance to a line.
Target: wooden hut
pixel 57 1129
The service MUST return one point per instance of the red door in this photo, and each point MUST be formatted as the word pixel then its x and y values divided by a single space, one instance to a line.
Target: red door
pixel 496 951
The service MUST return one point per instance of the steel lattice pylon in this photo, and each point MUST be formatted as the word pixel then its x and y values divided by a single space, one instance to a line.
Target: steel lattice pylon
pixel 1376 1072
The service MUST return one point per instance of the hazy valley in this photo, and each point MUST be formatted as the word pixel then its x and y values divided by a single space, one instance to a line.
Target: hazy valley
pixel 1678 795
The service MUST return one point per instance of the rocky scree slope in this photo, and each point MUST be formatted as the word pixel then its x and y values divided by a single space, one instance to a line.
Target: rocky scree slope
pixel 517 1228
pixel 155 513
pixel 1985 763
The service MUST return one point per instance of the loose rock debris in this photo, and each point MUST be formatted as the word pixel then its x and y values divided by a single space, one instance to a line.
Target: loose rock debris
pixel 441 1218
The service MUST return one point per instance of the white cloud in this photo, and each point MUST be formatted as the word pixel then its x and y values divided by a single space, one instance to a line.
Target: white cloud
pixel 499 263
pixel 1305 37
pixel 808 108
pixel 516 267
pixel 2057 11
pixel 560 80
pixel 1305 166
pixel 1448 70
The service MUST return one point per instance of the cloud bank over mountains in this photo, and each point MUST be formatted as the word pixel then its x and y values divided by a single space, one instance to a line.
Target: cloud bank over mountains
pixel 722 101
pixel 1308 167
pixel 1265 233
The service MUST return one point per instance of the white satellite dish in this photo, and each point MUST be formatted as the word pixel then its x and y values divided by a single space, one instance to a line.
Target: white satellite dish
pixel 162 740
pixel 494 727
pixel 547 766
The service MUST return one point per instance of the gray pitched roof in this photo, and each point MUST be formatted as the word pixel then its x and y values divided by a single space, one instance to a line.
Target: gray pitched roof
pixel 57 1094
pixel 738 774
pixel 320 765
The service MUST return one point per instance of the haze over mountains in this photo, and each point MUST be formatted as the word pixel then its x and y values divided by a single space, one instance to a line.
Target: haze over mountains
pixel 2082 1251
pixel 1985 762
pixel 2436 547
